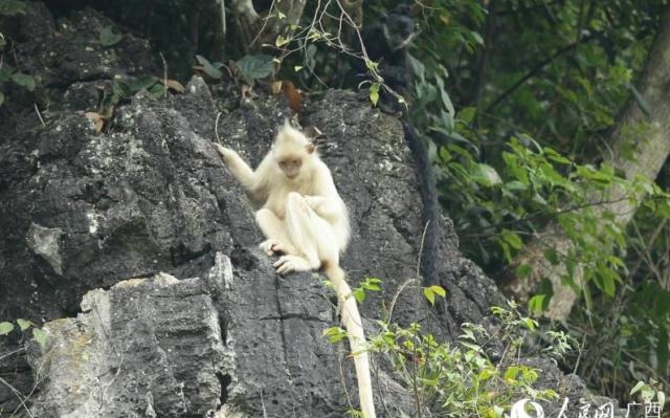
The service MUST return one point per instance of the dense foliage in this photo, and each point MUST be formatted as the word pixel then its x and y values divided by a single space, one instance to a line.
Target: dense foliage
pixel 461 379
pixel 535 104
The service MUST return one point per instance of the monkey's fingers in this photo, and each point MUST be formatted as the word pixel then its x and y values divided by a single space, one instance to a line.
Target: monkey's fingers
pixel 283 265
pixel 220 148
pixel 223 151
pixel 289 263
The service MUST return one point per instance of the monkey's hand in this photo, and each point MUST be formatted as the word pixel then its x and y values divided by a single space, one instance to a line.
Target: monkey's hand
pixel 315 202
pixel 238 167
pixel 274 246
pixel 227 154
pixel 323 206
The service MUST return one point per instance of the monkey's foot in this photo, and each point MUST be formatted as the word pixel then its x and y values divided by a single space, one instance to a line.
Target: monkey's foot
pixel 273 246
pixel 266 246
pixel 289 263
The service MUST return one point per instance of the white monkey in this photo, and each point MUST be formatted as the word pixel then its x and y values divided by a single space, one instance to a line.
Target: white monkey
pixel 304 218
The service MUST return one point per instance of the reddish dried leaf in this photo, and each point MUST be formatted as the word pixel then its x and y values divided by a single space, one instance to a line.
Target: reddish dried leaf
pixel 293 96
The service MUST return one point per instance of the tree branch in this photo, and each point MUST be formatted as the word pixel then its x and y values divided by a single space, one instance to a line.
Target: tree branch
pixel 534 71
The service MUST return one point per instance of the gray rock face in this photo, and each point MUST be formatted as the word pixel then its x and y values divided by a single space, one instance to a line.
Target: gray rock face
pixel 46 243
pixel 132 350
pixel 139 249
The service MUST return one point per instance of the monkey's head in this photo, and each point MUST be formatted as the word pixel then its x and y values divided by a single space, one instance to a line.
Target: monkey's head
pixel 293 152
pixel 398 27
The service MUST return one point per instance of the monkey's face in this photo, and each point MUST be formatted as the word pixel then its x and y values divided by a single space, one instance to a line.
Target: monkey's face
pixel 290 165
pixel 399 28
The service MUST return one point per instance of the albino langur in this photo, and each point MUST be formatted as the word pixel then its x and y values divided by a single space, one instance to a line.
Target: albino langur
pixel 304 218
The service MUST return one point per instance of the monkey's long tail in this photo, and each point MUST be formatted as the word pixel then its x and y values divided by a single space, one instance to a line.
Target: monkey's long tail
pixel 351 319
pixel 430 260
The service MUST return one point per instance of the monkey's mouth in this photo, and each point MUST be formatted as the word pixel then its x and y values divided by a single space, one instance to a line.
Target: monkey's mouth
pixel 292 176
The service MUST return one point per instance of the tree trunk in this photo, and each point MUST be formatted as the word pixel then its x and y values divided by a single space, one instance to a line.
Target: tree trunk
pixel 635 152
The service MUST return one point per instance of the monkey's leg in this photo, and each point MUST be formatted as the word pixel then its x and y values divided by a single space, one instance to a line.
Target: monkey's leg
pixel 312 236
pixel 274 230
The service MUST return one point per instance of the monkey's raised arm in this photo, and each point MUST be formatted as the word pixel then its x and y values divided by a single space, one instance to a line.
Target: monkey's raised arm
pixel 239 168
pixel 251 181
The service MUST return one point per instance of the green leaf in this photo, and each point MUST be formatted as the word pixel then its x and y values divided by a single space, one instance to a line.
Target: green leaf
pixel 523 270
pixel 6 328
pixel 487 374
pixel 438 290
pixel 359 295
pixel 446 101
pixel 139 83
pixel 429 294
pixel 373 286
pixel 516 185
pixel 374 93
pixel 608 285
pixel 514 240
pixel 281 41
pixel 40 336
pixel 418 69
pixel 371 65
pixel 537 198
pixel 536 304
pixel 512 372
pixel 638 386
pixel 209 69
pixel 467 114
pixel 556 157
pixel 157 90
pixel 24 80
pixel 2 98
pixel 530 323
pixel 372 283
pixel 473 347
pixel 477 38
pixel 121 89
pixel 24 324
pixel 486 175
pixel 255 67
pixel 109 38
pixel 648 394
pixel 335 334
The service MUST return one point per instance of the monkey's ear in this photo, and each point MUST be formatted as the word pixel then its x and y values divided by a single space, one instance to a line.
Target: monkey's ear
pixel 310 148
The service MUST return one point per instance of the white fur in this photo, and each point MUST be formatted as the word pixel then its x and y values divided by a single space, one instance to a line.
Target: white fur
pixel 306 220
